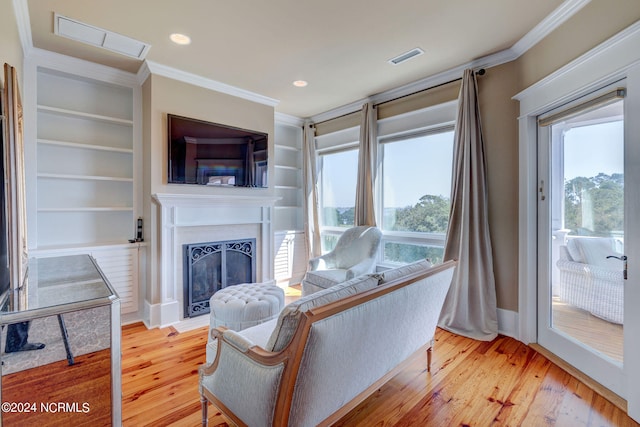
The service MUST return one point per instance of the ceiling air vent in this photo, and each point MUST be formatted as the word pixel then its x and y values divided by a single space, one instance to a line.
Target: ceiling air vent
pixel 85 33
pixel 406 56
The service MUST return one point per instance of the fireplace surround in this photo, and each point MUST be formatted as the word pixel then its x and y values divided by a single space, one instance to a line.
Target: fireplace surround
pixel 212 266
pixel 192 218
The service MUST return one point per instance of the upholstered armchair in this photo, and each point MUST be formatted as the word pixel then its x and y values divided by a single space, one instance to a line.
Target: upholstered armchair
pixel 353 256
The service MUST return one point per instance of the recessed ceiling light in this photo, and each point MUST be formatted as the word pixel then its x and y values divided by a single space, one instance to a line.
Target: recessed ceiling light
pixel 180 39
pixel 300 83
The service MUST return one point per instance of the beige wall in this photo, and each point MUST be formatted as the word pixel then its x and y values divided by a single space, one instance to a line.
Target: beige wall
pixel 161 95
pixel 500 130
pixel 594 24
pixel 598 21
pixel 174 97
pixel 10 47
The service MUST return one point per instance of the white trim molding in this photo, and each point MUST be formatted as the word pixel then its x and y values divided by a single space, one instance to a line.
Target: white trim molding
pixel 605 64
pixel 189 218
pixel 194 79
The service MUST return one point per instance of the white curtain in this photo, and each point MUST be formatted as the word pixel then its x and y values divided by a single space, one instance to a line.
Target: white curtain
pixel 470 307
pixel 310 178
pixel 364 209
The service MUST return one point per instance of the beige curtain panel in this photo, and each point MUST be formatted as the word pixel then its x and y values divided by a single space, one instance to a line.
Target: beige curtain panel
pixel 364 208
pixel 470 308
pixel 310 178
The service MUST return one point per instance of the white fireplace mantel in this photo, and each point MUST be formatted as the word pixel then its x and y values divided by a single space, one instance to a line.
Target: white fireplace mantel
pixel 193 218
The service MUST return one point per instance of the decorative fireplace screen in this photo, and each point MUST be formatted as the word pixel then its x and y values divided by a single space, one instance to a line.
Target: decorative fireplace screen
pixel 209 267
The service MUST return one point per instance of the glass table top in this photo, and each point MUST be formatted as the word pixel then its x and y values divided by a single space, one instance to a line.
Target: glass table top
pixel 71 281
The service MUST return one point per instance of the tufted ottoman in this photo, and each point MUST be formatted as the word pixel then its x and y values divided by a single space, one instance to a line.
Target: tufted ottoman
pixel 241 306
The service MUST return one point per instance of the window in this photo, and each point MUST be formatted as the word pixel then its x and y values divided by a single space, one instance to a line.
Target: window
pixel 415 195
pixel 338 179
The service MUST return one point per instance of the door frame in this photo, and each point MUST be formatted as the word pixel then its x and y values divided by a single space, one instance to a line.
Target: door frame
pixel 613 60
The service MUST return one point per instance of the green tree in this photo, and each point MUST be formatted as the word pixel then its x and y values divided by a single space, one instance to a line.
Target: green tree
pixel 429 215
pixel 594 206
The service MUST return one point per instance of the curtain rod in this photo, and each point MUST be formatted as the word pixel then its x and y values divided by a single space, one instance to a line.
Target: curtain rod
pixel 480 72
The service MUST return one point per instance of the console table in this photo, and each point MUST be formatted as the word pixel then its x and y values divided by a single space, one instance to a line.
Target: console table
pixel 54 287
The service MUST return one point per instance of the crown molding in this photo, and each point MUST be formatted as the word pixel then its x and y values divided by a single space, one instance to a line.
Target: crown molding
pixel 64 63
pixel 21 11
pixel 288 120
pixel 143 73
pixel 599 61
pixel 194 79
pixel 558 17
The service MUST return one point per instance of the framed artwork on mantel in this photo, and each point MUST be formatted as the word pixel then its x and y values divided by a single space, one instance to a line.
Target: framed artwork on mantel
pixel 14 193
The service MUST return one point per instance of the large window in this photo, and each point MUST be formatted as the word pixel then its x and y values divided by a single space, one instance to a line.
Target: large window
pixel 412 188
pixel 338 177
pixel 415 195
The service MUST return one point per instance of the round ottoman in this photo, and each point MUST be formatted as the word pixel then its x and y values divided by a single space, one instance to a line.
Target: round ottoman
pixel 241 306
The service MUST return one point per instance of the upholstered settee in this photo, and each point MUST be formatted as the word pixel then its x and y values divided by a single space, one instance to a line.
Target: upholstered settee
pixel 589 280
pixel 327 351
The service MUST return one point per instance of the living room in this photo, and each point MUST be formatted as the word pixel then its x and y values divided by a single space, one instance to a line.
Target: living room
pixel 156 91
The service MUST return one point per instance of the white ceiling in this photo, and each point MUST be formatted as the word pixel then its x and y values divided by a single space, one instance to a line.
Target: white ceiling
pixel 341 47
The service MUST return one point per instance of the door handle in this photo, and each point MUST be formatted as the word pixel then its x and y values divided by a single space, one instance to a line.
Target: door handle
pixel 622 258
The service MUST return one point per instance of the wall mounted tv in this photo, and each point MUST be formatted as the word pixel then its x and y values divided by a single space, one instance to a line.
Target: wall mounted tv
pixel 205 153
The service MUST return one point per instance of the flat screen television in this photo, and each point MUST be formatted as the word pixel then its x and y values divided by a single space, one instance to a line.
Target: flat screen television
pixel 212 154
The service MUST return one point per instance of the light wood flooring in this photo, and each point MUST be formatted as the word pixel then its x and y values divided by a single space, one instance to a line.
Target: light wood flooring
pixel 605 337
pixel 472 383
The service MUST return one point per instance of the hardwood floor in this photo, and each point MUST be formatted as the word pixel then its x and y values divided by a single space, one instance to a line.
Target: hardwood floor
pixel 472 383
pixel 605 337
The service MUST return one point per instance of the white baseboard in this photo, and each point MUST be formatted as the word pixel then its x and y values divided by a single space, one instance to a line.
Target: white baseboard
pixel 161 315
pixel 508 323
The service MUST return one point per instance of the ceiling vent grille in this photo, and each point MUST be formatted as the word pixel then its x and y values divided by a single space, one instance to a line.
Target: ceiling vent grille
pixel 406 56
pixel 94 36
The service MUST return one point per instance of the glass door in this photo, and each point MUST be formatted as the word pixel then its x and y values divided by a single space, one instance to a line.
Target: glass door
pixel 582 263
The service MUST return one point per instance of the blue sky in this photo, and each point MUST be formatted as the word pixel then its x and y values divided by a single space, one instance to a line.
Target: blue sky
pixel 590 150
pixel 414 167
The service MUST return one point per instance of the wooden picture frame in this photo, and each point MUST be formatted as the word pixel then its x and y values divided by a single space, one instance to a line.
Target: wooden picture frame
pixel 15 191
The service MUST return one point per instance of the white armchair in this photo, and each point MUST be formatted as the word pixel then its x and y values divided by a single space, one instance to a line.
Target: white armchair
pixel 353 256
pixel 589 280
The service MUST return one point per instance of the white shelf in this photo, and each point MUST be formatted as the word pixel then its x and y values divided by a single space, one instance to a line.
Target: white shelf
pixel 87 209
pixel 286 148
pixel 83 115
pixel 286 207
pixel 286 187
pixel 84 177
pixel 85 146
pixel 293 168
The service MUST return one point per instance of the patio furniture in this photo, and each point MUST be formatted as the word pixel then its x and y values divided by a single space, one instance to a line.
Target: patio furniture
pixel 589 280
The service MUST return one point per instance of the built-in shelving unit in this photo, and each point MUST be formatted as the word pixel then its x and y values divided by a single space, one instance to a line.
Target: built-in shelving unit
pixel 85 179
pixel 290 259
pixel 82 162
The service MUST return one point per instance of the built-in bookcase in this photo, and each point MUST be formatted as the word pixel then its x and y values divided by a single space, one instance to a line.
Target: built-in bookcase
pixel 290 251
pixel 85 181
pixel 82 161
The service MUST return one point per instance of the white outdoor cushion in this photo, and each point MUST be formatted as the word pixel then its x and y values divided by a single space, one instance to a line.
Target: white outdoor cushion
pixel 594 251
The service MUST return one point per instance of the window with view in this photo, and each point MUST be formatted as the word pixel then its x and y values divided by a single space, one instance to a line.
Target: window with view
pixel 416 188
pixel 338 178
